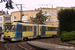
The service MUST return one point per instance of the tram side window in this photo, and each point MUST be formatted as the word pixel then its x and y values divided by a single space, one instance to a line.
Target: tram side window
pixel 27 28
pixel 51 29
pixel 24 28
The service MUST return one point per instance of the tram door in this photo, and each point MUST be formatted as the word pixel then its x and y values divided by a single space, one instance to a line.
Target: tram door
pixel 19 32
pixel 43 30
pixel 35 28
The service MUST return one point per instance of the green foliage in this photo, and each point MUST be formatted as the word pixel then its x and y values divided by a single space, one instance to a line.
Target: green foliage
pixel 39 19
pixel 66 20
pixel 0 28
pixel 67 36
pixel 8 4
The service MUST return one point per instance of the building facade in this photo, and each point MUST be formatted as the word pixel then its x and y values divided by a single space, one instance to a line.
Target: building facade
pixel 15 16
pixel 52 14
pixel 4 19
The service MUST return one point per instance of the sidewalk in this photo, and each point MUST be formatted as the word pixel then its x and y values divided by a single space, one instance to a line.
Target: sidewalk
pixel 50 46
pixel 1 40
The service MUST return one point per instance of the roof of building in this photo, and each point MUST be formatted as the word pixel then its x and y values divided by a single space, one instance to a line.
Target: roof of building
pixel 6 15
pixel 3 12
pixel 25 11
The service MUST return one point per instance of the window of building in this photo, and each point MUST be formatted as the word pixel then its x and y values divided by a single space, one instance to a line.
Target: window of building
pixel 53 13
pixel 0 18
pixel 14 18
pixel 46 13
pixel 0 24
pixel 7 18
pixel 34 16
pixel 25 17
pixel 53 20
pixel 47 20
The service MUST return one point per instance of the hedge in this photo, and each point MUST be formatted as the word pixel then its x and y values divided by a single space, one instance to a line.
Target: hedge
pixel 66 20
pixel 67 36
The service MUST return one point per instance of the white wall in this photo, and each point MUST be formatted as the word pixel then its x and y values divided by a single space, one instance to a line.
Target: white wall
pixel 1 16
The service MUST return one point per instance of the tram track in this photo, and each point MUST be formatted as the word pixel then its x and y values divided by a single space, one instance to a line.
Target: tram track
pixel 14 46
pixel 6 46
pixel 22 47
pixel 18 46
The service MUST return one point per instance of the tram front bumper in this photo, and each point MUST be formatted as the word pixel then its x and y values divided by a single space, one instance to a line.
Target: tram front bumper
pixel 7 38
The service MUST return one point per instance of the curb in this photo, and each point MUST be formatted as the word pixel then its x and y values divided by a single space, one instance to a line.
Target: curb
pixel 68 44
pixel 31 43
pixel 50 46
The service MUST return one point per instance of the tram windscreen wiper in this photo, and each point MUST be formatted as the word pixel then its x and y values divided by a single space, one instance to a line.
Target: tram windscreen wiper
pixel 10 28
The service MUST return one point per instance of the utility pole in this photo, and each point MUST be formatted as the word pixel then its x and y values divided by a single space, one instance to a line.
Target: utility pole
pixel 20 11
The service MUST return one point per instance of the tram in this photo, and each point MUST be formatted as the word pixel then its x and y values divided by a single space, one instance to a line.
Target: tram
pixel 16 31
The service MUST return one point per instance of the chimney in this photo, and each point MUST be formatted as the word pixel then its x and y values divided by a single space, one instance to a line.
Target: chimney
pixel 35 9
pixel 2 11
pixel 6 12
pixel 39 8
pixel 52 6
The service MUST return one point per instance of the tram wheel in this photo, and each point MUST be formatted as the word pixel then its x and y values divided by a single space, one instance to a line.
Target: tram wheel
pixel 38 36
pixel 25 38
pixel 54 36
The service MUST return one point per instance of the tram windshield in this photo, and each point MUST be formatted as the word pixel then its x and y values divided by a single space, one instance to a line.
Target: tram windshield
pixel 11 28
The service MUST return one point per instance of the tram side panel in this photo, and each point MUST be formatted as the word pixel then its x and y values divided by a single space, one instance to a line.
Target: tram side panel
pixel 47 31
pixel 51 31
pixel 30 31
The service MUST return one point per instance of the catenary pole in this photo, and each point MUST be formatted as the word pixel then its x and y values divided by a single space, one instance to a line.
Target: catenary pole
pixel 21 12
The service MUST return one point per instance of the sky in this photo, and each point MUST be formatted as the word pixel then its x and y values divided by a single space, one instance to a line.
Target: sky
pixel 34 4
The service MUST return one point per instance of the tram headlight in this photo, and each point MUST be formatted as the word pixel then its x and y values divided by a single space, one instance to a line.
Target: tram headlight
pixel 4 36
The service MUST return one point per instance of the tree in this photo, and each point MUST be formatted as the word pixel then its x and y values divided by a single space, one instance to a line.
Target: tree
pixel 39 19
pixel 66 20
pixel 2 1
pixel 8 4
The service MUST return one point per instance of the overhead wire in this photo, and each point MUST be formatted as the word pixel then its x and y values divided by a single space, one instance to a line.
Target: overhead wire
pixel 16 5
pixel 46 4
pixel 50 2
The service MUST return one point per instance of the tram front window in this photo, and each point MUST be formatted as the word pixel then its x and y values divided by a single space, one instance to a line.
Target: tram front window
pixel 11 28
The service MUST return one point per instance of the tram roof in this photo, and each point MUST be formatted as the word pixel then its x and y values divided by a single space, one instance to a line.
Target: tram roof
pixel 15 23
